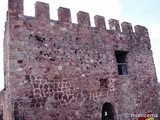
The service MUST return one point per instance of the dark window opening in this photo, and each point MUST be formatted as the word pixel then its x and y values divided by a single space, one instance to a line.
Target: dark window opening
pixel 121 62
pixel 104 82
pixel 108 112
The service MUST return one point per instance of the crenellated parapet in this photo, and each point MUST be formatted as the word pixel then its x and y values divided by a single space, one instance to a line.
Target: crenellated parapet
pixel 42 10
pixel 64 15
pixel 141 30
pixel 114 24
pixel 127 27
pixel 16 6
pixel 100 22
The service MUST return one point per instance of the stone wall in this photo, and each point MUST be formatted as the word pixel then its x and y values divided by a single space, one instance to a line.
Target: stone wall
pixel 1 104
pixel 58 70
pixel 159 92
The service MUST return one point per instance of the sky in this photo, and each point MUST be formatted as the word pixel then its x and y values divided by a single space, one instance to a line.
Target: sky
pixel 141 12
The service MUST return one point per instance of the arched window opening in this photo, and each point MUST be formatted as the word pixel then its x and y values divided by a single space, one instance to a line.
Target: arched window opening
pixel 108 111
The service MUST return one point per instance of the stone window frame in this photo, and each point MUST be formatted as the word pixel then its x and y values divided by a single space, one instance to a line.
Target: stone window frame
pixel 121 60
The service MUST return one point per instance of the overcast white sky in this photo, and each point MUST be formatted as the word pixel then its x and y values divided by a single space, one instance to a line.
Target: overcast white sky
pixel 143 12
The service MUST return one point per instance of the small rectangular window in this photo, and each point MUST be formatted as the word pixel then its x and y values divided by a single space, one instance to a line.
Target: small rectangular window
pixel 121 62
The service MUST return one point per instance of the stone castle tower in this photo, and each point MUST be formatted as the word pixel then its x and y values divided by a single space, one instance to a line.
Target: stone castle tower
pixel 59 70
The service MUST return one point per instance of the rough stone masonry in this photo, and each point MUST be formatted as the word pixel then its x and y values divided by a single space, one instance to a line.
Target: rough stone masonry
pixel 59 70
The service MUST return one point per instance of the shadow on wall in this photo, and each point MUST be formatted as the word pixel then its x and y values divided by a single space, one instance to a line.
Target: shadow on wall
pixel 1 115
